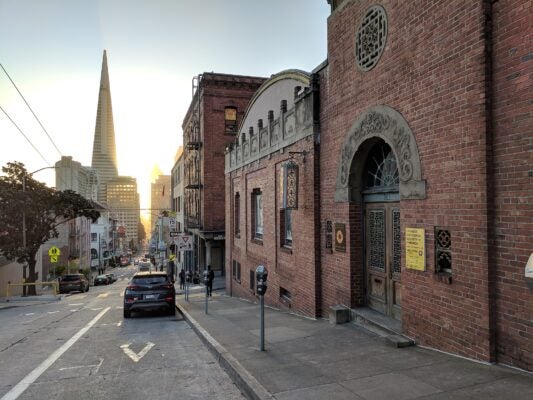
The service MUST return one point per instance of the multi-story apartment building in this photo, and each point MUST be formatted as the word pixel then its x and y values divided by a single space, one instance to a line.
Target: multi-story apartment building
pixel 177 200
pixel 218 105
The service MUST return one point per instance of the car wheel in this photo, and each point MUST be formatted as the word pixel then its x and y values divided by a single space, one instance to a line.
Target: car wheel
pixel 127 313
pixel 88 286
pixel 172 310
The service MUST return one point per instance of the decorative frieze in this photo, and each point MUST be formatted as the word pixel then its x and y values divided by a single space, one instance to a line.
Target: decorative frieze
pixel 290 126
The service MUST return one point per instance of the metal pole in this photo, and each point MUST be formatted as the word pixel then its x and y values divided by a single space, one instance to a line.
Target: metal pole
pixel 24 235
pixel 206 289
pixel 262 323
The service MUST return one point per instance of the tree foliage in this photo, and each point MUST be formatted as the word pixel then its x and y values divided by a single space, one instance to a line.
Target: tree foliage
pixel 44 209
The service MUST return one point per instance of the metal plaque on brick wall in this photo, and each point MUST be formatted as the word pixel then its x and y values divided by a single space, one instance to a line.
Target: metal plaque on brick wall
pixel 329 235
pixel 340 237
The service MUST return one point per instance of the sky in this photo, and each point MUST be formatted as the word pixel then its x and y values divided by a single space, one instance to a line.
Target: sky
pixel 52 50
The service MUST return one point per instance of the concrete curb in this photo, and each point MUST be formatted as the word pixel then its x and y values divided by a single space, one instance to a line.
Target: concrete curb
pixel 249 386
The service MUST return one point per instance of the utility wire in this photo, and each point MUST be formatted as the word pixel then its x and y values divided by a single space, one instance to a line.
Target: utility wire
pixel 31 110
pixel 20 130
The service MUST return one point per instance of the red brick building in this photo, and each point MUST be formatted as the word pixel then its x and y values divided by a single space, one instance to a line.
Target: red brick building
pixel 218 105
pixel 415 189
pixel 279 131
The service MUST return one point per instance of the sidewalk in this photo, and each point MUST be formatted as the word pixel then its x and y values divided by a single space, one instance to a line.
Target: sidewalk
pixel 312 359
pixel 19 301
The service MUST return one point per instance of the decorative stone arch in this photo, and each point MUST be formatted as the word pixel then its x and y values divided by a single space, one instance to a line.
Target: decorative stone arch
pixel 389 125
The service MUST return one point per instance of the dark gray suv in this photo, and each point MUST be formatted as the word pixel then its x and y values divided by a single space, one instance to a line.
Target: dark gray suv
pixel 73 282
pixel 149 291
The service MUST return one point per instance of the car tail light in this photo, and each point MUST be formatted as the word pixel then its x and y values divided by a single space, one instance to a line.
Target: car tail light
pixel 132 287
pixel 168 286
pixel 169 298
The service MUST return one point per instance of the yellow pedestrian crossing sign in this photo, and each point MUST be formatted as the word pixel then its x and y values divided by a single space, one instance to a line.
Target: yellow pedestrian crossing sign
pixel 53 259
pixel 54 251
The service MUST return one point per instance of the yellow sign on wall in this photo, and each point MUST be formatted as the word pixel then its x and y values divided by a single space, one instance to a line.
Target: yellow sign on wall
pixel 53 259
pixel 415 249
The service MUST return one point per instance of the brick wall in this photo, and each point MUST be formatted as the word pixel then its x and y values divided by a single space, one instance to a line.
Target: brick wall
pixel 219 92
pixel 513 186
pixel 290 269
pixel 432 72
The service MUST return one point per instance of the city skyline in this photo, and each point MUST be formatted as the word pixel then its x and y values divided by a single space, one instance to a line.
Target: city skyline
pixel 53 53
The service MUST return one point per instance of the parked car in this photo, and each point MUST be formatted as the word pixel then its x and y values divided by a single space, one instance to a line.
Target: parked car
pixel 112 278
pixel 149 291
pixel 73 282
pixel 101 280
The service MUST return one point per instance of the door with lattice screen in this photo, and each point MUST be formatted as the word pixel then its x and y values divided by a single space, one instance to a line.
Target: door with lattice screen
pixel 383 258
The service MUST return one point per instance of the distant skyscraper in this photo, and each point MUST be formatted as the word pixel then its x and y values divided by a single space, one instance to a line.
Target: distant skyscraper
pixel 123 199
pixel 71 175
pixel 104 160
pixel 161 195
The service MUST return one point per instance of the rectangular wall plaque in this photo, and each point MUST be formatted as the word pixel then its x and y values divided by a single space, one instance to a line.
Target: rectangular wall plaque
pixel 415 249
pixel 340 237
pixel 329 235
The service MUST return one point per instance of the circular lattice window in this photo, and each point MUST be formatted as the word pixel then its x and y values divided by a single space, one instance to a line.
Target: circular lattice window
pixel 371 38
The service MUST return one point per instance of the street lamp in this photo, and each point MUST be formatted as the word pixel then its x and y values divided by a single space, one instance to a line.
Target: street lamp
pixel 24 223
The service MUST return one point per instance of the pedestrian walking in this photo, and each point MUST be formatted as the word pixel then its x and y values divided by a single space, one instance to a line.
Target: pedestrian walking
pixel 182 279
pixel 210 277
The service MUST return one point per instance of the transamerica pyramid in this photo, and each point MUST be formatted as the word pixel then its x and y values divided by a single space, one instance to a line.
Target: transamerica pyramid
pixel 104 150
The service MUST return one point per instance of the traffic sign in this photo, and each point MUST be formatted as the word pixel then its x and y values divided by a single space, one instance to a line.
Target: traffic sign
pixel 53 259
pixel 54 251
pixel 185 242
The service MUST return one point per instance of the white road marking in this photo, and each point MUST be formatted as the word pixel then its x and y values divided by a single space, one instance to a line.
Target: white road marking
pixel 75 304
pixel 74 310
pixel 102 295
pixel 136 357
pixel 96 309
pixel 52 312
pixel 119 307
pixel 121 294
pixel 25 383
pixel 120 323
pixel 85 366
pixel 31 313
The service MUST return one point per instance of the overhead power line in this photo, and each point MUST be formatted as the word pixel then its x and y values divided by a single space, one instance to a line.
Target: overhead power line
pixel 45 131
pixel 25 137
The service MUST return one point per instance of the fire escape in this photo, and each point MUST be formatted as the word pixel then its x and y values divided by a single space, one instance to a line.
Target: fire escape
pixel 193 146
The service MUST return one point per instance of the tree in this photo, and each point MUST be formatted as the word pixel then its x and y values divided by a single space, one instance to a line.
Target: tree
pixel 44 208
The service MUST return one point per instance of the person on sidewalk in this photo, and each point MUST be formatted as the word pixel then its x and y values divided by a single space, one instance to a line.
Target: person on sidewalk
pixel 182 279
pixel 210 277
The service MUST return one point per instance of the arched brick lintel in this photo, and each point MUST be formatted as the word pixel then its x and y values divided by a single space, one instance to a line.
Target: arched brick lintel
pixel 388 124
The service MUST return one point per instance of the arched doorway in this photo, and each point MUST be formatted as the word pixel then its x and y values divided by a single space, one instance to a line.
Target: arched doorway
pixel 379 165
pixel 382 239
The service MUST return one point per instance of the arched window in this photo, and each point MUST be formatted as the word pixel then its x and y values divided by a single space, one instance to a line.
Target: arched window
pixel 381 180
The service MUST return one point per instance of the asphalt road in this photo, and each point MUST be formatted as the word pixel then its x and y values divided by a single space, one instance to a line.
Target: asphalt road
pixel 82 348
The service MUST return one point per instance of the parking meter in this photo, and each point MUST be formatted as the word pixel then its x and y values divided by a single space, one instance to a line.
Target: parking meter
pixel 261 275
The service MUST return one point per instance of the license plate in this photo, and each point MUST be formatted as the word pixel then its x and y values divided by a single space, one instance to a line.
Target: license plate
pixel 150 296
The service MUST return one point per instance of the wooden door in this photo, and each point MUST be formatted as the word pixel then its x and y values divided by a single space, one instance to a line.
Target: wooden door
pixel 383 258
